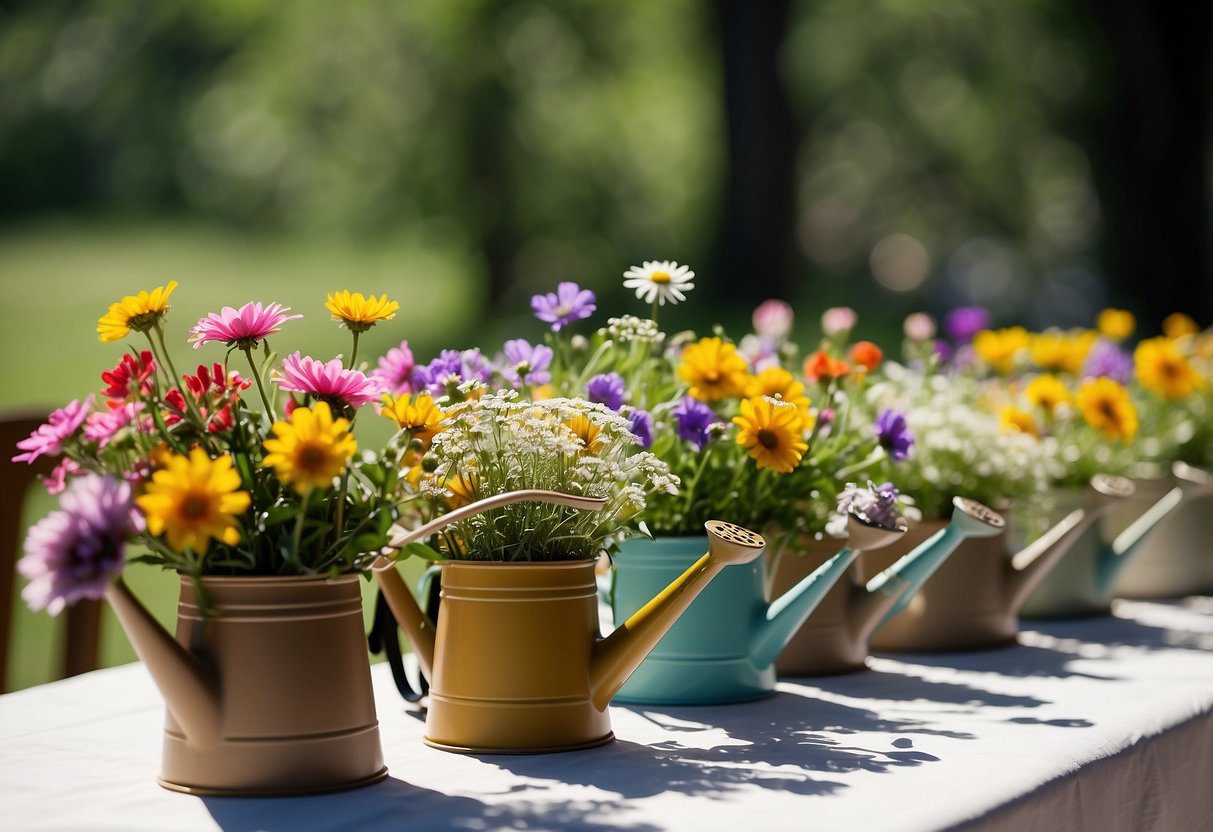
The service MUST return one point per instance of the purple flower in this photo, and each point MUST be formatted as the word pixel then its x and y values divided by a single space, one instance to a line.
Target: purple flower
pixel 963 323
pixel 526 364
pixel 395 370
pixel 475 367
pixel 606 389
pixel 942 350
pixel 73 553
pixel 694 420
pixel 894 434
pixel 48 439
pixel 1107 359
pixel 567 304
pixel 877 504
pixel 642 427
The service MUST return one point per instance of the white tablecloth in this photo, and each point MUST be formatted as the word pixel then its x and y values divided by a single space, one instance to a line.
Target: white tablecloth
pixel 1103 724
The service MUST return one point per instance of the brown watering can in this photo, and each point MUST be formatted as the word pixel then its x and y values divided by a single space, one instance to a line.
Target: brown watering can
pixel 516 662
pixel 835 638
pixel 973 602
pixel 269 692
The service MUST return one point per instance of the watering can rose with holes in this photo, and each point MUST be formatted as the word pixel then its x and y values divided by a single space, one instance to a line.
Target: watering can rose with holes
pixel 251 489
pixel 515 661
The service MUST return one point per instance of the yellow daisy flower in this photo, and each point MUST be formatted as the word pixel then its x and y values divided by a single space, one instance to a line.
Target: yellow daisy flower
pixel 1161 367
pixel 360 313
pixel 714 369
pixel 1105 405
pixel 588 433
pixel 417 414
pixel 1116 324
pixel 194 499
pixel 1179 325
pixel 776 381
pixel 461 488
pixel 311 449
pixel 1001 347
pixel 138 312
pixel 1013 419
pixel 1047 392
pixel 772 433
pixel 1062 351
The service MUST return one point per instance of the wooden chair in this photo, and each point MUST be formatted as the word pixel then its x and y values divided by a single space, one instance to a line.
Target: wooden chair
pixel 83 621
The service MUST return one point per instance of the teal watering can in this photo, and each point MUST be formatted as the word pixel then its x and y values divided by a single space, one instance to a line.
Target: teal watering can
pixel 1081 585
pixel 724 647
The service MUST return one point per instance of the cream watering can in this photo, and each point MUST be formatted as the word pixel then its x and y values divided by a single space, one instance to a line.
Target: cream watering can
pixel 973 602
pixel 1177 560
pixel 835 638
pixel 516 662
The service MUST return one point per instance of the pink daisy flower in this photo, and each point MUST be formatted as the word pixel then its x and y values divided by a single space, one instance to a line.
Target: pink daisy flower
pixel 395 370
pixel 104 425
pixel 330 382
pixel 242 327
pixel 48 439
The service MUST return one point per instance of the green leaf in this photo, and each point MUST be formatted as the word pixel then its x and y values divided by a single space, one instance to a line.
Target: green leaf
pixel 420 550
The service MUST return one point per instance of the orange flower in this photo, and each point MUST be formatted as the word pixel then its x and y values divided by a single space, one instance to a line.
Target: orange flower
pixel 821 367
pixel 867 355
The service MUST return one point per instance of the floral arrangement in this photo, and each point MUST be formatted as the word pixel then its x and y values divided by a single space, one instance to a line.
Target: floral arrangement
pixel 960 448
pixel 496 443
pixel 212 472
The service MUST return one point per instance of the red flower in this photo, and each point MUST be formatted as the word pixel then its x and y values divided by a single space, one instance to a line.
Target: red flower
pixel 821 367
pixel 867 355
pixel 128 370
pixel 213 391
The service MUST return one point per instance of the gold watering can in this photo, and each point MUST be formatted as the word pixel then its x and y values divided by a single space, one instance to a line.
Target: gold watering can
pixel 516 662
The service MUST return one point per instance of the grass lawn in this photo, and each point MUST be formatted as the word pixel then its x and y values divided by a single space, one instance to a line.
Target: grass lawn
pixel 58 279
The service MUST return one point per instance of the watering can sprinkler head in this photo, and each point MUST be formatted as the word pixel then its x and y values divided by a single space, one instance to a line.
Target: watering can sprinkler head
pixel 729 543
pixel 1111 486
pixel 973 519
pixel 864 534
pixel 1191 474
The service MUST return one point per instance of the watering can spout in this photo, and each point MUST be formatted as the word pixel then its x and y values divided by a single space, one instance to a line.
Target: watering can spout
pixel 1193 483
pixel 618 655
pixel 190 690
pixel 904 578
pixel 785 615
pixel 1030 565
pixel 419 629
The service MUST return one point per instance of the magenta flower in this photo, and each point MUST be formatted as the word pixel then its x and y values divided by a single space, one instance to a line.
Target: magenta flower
pixel 242 327
pixel 773 319
pixel 48 439
pixel 104 425
pixel 395 370
pixel 526 364
pixel 838 320
pixel 330 382
pixel 567 304
pixel 57 480
pixel 73 553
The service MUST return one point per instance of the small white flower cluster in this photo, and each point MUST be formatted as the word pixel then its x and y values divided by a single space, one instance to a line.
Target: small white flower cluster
pixel 498 444
pixel 630 328
pixel 960 450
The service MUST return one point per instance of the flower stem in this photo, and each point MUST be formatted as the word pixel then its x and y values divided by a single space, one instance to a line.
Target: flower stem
pixel 297 536
pixel 653 314
pixel 354 351
pixel 269 411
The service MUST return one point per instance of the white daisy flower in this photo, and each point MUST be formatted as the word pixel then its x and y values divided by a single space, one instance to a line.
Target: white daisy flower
pixel 659 281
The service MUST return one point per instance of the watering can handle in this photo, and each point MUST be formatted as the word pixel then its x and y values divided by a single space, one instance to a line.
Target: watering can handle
pixel 401 538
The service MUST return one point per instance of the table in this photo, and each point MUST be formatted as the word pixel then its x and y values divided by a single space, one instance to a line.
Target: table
pixel 1103 724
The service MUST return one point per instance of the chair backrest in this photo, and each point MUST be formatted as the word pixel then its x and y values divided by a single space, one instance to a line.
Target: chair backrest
pixel 83 624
